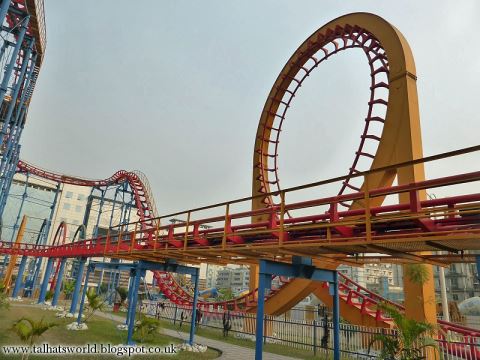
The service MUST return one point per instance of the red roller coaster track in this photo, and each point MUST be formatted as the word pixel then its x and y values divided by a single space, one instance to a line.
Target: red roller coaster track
pixel 353 295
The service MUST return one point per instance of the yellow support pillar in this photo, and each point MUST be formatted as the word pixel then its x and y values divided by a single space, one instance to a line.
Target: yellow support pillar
pixel 13 259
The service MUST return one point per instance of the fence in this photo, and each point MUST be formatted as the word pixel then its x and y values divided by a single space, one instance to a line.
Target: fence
pixel 314 335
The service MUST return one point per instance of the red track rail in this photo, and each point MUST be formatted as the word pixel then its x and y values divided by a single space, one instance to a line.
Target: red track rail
pixel 353 293
pixel 333 42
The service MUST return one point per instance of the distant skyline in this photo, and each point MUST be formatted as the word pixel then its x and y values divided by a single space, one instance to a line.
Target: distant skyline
pixel 175 89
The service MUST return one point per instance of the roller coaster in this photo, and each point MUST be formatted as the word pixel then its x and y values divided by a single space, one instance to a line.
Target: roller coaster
pixel 354 226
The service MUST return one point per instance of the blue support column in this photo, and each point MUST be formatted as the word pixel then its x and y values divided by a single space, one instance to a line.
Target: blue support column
pixel 17 222
pixel 84 293
pixel 129 295
pixel 10 121
pixel 46 278
pixel 78 284
pixel 20 208
pixel 195 278
pixel 336 318
pixel 16 89
pixel 133 305
pixel 19 280
pixel 8 71
pixel 4 10
pixel 301 267
pixel 477 258
pixel 263 283
pixel 58 285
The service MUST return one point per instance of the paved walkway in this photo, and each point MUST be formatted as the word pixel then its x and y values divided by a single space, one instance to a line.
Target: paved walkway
pixel 229 351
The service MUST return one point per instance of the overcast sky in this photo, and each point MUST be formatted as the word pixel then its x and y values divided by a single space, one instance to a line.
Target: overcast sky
pixel 175 89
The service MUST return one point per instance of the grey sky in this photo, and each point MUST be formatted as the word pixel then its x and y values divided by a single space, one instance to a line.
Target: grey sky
pixel 175 89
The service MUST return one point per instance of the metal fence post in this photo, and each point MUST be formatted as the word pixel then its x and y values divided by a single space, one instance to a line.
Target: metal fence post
pixel 315 337
pixel 265 329
pixel 175 315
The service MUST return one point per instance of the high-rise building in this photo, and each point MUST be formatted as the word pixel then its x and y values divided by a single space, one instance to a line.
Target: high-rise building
pixel 461 280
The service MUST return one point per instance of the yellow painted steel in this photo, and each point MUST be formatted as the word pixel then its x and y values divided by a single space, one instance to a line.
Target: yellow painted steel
pixel 400 141
pixel 13 259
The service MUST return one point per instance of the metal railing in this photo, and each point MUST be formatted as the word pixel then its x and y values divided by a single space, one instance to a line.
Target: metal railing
pixel 310 335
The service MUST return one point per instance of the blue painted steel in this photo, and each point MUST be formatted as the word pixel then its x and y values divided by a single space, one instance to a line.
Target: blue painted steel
pixel 46 279
pixel 19 279
pixel 336 318
pixel 100 210
pixel 84 293
pixel 35 264
pixel 5 185
pixel 195 278
pixel 78 284
pixel 42 239
pixel 9 70
pixel 58 285
pixel 170 266
pixel 133 305
pixel 15 226
pixel 4 9
pixel 264 282
pixel 112 265
pixel 52 212
pixel 16 89
pixel 20 208
pixel 477 258
pixel 13 122
pixel 88 208
pixel 300 268
pixel 129 295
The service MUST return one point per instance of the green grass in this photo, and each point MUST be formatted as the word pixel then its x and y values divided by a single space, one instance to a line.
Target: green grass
pixel 216 334
pixel 101 331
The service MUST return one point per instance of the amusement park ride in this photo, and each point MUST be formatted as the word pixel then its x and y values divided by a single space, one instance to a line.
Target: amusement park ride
pixel 354 226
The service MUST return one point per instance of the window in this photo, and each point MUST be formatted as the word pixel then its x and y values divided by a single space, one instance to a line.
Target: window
pixel 69 195
pixel 66 206
pixel 81 197
pixel 78 208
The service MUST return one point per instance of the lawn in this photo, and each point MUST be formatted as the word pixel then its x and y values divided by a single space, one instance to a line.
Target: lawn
pixel 101 331
pixel 231 339
pixel 216 334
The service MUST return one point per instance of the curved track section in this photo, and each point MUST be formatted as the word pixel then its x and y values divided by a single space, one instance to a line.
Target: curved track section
pixel 390 61
pixel 393 105
pixel 143 196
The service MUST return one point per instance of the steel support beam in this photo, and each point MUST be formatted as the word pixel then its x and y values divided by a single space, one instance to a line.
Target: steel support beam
pixel 477 259
pixel 58 285
pixel 78 284
pixel 46 278
pixel 195 279
pixel 84 293
pixel 130 294
pixel 133 304
pixel 19 280
pixel 301 267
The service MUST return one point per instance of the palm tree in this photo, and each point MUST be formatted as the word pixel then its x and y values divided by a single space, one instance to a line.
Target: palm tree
pixel 29 330
pixel 145 327
pixel 95 302
pixel 68 287
pixel 411 339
